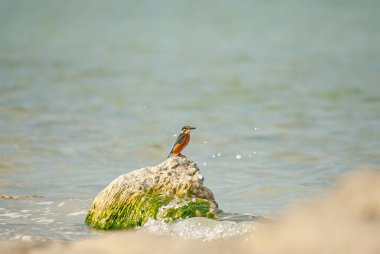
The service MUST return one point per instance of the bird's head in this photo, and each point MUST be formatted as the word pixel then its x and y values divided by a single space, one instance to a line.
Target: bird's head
pixel 187 129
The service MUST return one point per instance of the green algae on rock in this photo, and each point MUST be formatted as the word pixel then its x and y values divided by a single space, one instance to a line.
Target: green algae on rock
pixel 169 191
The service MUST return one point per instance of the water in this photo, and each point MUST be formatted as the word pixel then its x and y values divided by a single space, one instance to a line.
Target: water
pixel 284 95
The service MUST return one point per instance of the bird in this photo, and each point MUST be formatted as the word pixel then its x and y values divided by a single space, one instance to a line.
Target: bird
pixel 182 141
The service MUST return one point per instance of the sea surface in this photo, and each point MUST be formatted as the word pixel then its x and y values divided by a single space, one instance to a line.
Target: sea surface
pixel 285 96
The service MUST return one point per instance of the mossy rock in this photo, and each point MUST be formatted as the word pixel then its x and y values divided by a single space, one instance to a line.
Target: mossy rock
pixel 169 191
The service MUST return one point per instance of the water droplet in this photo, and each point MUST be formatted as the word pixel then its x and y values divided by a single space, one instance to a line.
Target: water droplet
pixel 204 164
pixel 238 157
pixel 219 154
pixel 213 156
pixel 205 142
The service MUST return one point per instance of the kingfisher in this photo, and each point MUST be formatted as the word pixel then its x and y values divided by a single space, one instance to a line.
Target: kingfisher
pixel 182 141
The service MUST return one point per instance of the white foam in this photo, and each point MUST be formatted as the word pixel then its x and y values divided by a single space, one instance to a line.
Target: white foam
pixel 47 213
pixel 45 221
pixel 5 234
pixel 39 218
pixel 16 237
pixel 61 204
pixel 77 213
pixel 11 215
pixel 200 228
pixel 26 238
pixel 73 233
pixel 44 203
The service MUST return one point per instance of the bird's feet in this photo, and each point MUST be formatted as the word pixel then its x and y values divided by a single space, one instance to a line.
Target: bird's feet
pixel 177 154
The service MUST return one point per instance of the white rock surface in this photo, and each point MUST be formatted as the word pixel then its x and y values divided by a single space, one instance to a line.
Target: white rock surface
pixel 176 175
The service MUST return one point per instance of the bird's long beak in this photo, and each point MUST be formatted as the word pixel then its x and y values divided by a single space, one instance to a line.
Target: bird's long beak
pixel 192 128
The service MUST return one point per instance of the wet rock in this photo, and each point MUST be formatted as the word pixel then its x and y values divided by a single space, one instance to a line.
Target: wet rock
pixel 169 191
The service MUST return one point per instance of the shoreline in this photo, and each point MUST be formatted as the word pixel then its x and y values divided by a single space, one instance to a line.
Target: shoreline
pixel 346 220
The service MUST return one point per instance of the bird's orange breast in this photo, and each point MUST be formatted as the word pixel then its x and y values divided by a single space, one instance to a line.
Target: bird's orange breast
pixel 179 147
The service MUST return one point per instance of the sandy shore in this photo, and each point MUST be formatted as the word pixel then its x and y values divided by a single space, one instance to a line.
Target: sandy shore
pixel 346 220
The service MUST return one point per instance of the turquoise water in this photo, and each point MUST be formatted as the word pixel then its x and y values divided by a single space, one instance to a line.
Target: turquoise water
pixel 284 95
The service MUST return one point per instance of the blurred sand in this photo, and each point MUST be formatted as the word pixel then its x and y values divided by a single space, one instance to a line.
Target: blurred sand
pixel 347 220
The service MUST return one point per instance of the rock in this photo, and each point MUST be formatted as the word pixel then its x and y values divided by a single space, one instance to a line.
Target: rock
pixel 169 191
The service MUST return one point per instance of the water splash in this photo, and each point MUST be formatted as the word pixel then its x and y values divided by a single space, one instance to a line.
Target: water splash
pixel 198 228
